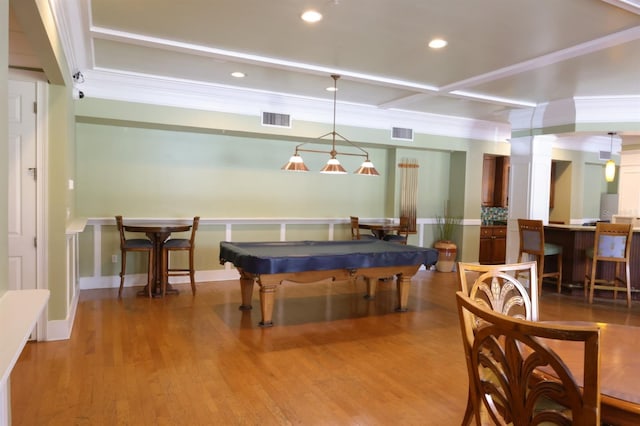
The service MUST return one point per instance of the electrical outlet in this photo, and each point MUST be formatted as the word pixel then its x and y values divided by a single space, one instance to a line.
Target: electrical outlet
pixel 114 258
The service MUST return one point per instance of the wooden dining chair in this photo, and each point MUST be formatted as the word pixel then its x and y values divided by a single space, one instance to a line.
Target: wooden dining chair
pixel 402 234
pixel 532 243
pixel 612 244
pixel 515 378
pixel 131 246
pixel 176 245
pixel 355 230
pixel 496 287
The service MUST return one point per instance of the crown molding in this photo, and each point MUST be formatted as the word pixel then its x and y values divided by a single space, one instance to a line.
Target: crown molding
pixel 157 90
pixel 614 109
pixel 578 110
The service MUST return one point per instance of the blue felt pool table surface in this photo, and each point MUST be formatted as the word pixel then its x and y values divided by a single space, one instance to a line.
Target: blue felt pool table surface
pixel 299 256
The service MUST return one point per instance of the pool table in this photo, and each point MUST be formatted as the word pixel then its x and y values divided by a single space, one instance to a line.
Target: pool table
pixel 271 263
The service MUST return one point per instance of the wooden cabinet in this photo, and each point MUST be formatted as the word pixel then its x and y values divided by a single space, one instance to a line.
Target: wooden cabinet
pixel 493 244
pixel 495 181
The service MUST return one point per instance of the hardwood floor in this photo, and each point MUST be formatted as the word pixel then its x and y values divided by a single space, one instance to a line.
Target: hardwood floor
pixel 331 358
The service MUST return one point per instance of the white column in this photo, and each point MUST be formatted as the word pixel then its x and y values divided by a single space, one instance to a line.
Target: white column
pixel 529 183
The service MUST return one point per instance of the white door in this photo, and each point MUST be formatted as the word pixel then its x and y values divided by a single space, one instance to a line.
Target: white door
pixel 22 185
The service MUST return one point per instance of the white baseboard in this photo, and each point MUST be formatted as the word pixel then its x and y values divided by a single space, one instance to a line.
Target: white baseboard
pixel 133 280
pixel 61 329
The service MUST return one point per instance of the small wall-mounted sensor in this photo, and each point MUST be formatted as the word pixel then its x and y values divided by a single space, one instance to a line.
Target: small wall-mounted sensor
pixel 78 94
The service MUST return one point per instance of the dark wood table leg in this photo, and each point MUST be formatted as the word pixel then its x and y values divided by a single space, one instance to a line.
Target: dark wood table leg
pixel 158 239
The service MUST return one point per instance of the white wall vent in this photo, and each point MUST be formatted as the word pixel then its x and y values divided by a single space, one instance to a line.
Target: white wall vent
pixel 402 133
pixel 605 155
pixel 276 120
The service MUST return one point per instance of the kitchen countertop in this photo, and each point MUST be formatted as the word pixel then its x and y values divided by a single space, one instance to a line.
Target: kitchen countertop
pixel 579 227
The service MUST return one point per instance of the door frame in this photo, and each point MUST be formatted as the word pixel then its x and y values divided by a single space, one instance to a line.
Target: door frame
pixel 42 158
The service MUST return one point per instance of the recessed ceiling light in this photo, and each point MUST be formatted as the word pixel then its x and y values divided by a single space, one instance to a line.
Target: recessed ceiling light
pixel 437 43
pixel 311 16
pixel 238 74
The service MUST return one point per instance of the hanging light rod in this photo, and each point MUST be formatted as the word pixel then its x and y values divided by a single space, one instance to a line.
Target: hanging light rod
pixel 333 166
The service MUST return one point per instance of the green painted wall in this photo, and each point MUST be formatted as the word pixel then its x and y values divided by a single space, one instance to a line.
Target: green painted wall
pixel 4 145
pixel 143 171
pixel 60 199
pixel 164 173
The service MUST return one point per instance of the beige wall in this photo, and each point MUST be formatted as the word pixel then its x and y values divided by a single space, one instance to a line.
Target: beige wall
pixel 561 211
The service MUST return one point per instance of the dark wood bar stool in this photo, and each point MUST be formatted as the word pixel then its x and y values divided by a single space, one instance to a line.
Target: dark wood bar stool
pixel 180 244
pixel 532 243
pixel 134 245
pixel 612 244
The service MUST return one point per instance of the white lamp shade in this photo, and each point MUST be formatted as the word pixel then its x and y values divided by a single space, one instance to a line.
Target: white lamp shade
pixel 367 169
pixel 333 167
pixel 610 171
pixel 295 164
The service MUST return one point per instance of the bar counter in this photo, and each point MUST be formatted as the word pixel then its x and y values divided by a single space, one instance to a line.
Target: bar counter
pixel 574 240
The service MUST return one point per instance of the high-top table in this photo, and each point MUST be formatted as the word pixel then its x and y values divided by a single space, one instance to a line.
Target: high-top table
pixel 270 263
pixel 380 229
pixel 619 367
pixel 158 234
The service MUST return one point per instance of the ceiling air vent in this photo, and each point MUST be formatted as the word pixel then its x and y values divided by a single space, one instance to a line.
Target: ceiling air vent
pixel 275 119
pixel 402 133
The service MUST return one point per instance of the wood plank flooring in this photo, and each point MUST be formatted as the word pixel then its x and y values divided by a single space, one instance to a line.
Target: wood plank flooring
pixel 333 358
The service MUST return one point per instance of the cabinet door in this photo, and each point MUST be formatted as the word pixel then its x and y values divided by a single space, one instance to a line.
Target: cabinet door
pixel 501 185
pixel 499 249
pixel 506 170
pixel 486 251
pixel 488 180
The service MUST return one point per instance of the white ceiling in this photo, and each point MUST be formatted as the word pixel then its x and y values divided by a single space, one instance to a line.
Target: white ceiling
pixel 518 53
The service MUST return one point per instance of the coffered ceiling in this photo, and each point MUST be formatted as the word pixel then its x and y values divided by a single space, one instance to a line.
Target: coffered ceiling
pixel 501 55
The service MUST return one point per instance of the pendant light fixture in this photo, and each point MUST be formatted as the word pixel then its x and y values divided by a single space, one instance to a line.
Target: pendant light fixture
pixel 333 166
pixel 610 166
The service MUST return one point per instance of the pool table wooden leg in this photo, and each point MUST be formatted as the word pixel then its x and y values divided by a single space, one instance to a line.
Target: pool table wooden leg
pixel 404 284
pixel 246 290
pixel 267 297
pixel 371 287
